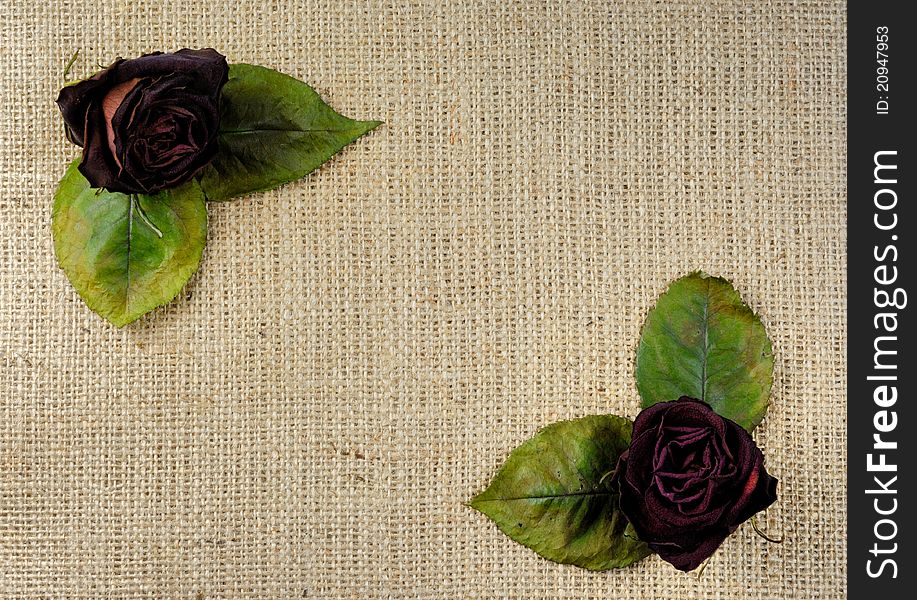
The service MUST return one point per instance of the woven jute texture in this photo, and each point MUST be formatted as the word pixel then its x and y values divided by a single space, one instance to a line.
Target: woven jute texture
pixel 360 350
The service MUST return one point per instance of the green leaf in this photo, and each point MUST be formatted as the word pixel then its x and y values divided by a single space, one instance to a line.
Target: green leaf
pixel 127 254
pixel 702 341
pixel 554 494
pixel 273 129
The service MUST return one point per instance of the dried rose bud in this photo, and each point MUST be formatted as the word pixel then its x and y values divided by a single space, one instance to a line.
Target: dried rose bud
pixel 689 479
pixel 149 123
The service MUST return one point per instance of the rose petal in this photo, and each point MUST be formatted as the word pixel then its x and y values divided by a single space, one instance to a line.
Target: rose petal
pixel 110 104
pixel 74 101
pixel 97 166
pixel 208 65
pixel 689 554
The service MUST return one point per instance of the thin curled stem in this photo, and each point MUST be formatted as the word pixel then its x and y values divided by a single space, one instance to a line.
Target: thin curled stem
pixel 703 565
pixel 603 477
pixel 135 202
pixel 70 64
pixel 754 524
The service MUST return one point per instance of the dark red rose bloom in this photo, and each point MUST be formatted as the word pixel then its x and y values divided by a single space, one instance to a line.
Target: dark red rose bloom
pixel 149 123
pixel 689 479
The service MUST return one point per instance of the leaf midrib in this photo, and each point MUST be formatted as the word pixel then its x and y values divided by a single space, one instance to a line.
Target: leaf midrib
pixel 127 254
pixel 705 351
pixel 547 496
pixel 284 129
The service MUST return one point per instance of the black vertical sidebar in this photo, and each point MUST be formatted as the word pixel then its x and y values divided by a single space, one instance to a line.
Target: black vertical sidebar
pixel 882 371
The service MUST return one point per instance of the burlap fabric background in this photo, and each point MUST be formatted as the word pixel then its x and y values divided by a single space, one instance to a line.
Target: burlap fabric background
pixel 361 350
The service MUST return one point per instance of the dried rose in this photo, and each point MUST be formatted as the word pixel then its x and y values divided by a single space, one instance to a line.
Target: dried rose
pixel 689 479
pixel 148 123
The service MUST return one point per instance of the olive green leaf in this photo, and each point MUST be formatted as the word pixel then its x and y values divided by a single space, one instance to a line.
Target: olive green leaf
pixel 555 495
pixel 273 129
pixel 127 254
pixel 702 341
